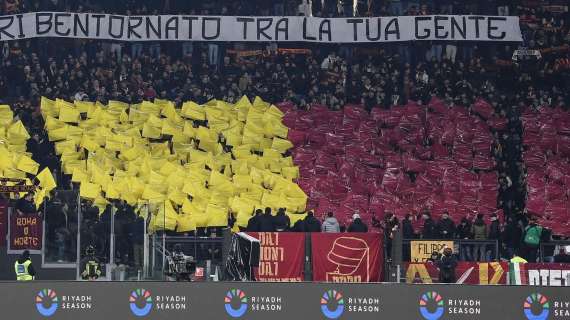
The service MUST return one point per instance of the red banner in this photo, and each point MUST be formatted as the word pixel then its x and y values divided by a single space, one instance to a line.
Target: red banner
pixel 281 258
pixel 466 272
pixel 346 257
pixel 3 222
pixel 25 232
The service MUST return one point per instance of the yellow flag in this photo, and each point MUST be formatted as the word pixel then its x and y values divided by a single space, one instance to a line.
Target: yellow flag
pixel 193 111
pixel 5 158
pixel 18 131
pixel 217 216
pixel 79 175
pixel 150 131
pixel 39 197
pixel 69 114
pixel 46 180
pixel 27 165
pixel 281 145
pixel 89 190
pixel 185 223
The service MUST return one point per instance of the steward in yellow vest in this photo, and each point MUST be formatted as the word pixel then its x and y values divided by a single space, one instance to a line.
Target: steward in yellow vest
pixel 24 268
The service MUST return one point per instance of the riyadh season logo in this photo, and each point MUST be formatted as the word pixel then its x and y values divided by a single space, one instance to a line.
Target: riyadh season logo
pixel 142 302
pixel 536 307
pixel 427 301
pixel 332 304
pixel 237 303
pixel 137 308
pixel 235 298
pixel 47 302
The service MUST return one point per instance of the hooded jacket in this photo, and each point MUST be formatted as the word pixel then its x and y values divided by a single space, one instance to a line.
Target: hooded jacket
pixel 331 225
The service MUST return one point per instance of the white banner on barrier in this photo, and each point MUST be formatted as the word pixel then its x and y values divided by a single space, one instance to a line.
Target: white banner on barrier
pixel 231 28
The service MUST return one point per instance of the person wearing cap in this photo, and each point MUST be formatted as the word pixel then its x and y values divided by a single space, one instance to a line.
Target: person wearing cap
pixel 24 268
pixel 357 224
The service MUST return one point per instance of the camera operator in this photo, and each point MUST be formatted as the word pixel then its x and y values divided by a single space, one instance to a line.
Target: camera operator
pixel 447 265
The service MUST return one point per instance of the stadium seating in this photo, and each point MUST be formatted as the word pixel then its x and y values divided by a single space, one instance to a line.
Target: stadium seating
pixel 546 139
pixel 192 165
pixel 352 161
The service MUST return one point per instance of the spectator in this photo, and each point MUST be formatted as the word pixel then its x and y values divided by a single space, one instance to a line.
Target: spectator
pixel 512 236
pixel 253 224
pixel 408 228
pixel 463 232
pixel 266 222
pixel 531 240
pixel 446 227
pixel 312 224
pixel 281 221
pixel 494 234
pixel 357 224
pixel 330 224
pixel 429 229
pixel 299 226
pixel 447 265
pixel 479 231
pixel 24 268
pixel 563 256
pixel 25 205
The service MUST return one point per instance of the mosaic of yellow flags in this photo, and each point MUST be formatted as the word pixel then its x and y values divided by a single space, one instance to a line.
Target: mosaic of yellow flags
pixel 15 161
pixel 173 159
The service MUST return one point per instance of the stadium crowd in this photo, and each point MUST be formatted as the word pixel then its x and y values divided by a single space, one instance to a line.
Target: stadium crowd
pixel 330 75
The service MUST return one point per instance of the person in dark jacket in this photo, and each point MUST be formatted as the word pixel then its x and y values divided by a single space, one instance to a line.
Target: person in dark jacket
pixel 408 228
pixel 479 231
pixel 253 222
pixel 266 221
pixel 494 233
pixel 429 231
pixel 312 224
pixel 446 227
pixel 357 224
pixel 463 232
pixel 563 256
pixel 299 226
pixel 447 265
pixel 281 221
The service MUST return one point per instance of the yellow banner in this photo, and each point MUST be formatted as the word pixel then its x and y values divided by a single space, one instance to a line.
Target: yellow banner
pixel 420 251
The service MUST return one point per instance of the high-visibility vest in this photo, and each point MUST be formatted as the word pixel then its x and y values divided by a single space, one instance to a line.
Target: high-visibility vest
pixel 517 259
pixel 22 273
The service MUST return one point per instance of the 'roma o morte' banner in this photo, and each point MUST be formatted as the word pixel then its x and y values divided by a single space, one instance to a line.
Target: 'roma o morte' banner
pixel 282 256
pixel 232 28
pixel 25 233
pixel 346 257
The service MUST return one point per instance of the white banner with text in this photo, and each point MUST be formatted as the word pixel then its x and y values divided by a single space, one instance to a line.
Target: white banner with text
pixel 278 29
